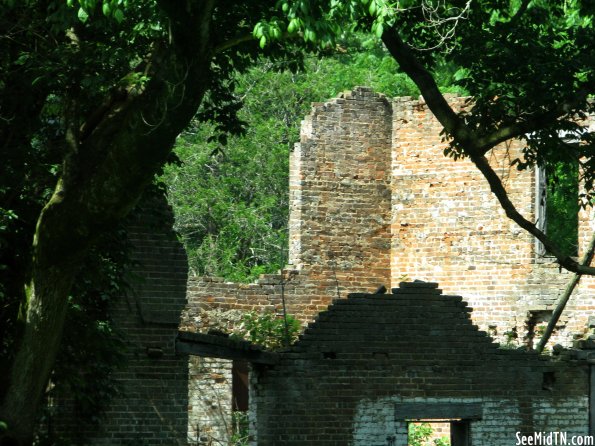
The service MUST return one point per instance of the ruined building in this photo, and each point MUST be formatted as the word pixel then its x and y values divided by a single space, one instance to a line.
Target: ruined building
pixel 373 201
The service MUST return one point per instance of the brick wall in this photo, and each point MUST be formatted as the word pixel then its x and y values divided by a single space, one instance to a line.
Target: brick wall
pixel 370 356
pixel 339 224
pixel 340 191
pixel 374 201
pixel 448 227
pixel 152 407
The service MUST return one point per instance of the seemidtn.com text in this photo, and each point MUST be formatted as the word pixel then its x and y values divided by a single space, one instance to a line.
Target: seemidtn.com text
pixel 553 439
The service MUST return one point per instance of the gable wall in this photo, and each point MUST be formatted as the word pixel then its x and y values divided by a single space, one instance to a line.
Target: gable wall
pixel 370 356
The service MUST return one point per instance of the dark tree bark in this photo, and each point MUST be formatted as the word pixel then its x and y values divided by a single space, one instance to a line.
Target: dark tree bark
pixel 109 164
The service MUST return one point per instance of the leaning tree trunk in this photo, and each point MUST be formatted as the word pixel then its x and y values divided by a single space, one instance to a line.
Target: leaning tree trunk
pixel 103 176
pixel 48 298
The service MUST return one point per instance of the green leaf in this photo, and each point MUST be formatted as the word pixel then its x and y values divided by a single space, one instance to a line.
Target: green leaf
pixel 119 15
pixel 82 15
pixel 258 30
pixel 373 7
pixel 293 26
pixel 379 30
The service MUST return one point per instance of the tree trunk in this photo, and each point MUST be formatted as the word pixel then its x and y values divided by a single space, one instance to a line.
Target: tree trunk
pixel 103 177
pixel 48 297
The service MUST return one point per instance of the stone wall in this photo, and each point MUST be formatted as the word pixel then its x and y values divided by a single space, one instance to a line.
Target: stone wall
pixel 372 361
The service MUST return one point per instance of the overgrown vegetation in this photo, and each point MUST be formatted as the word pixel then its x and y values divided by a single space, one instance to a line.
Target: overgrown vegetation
pixel 230 195
pixel 562 205
pixel 269 330
pixel 241 435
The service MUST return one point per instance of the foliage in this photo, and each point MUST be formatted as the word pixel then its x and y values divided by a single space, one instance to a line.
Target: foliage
pixel 562 205
pixel 240 435
pixel 268 329
pixel 231 200
pixel 230 204
pixel 419 434
pixel 442 441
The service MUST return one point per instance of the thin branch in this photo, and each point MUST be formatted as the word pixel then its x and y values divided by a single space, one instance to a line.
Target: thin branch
pixel 563 300
pixel 238 40
pixel 498 189
pixel 436 20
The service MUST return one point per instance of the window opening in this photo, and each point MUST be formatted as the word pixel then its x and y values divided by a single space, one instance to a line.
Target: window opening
pixel 557 205
pixel 429 433
pixel 456 416
pixel 240 385
pixel 240 400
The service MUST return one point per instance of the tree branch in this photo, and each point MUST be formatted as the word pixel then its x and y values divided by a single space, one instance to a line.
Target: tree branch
pixel 498 189
pixel 452 123
pixel 563 300
pixel 233 42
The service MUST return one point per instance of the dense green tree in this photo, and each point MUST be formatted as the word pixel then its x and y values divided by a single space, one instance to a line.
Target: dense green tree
pixel 231 201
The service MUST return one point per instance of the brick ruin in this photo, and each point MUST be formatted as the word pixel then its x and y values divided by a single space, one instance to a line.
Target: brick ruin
pixel 151 408
pixel 373 201
pixel 372 363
